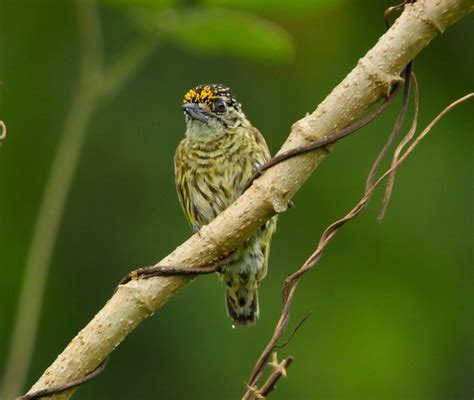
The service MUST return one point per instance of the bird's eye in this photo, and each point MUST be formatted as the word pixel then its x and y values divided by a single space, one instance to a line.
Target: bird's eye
pixel 220 106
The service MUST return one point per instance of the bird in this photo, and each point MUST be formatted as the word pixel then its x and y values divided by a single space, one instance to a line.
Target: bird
pixel 214 162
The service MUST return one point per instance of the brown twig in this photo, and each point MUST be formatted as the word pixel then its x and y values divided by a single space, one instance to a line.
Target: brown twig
pixel 403 143
pixel 396 129
pixel 290 338
pixel 389 10
pixel 291 282
pixel 61 388
pixel 279 370
pixel 164 270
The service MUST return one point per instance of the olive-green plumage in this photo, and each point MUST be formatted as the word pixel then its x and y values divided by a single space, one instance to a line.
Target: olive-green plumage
pixel 213 163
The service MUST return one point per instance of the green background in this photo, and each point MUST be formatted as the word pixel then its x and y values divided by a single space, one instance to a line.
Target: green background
pixel 392 303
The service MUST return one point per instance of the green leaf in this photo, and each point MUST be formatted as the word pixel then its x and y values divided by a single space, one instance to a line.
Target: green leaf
pixel 274 5
pixel 223 31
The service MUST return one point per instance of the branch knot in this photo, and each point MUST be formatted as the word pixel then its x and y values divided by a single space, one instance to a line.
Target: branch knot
pixel 379 77
pixel 429 17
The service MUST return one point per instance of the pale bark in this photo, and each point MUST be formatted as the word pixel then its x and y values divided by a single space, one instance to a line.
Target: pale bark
pixel 366 84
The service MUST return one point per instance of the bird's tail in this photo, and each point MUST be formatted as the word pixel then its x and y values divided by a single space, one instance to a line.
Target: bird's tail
pixel 242 305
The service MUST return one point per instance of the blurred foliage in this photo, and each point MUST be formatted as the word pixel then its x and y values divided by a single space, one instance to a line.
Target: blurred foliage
pixel 221 32
pixel 270 6
pixel 392 303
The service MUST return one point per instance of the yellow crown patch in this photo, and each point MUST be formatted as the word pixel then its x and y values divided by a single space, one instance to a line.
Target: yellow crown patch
pixel 200 95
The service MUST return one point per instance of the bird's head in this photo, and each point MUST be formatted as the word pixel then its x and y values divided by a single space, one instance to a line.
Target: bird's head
pixel 211 110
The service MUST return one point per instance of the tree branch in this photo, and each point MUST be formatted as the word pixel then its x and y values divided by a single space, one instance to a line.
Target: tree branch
pixel 367 83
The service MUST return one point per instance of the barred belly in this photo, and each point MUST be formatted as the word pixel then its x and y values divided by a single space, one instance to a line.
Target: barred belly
pixel 212 177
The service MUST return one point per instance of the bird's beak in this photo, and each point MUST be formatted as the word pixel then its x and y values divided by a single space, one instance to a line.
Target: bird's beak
pixel 195 112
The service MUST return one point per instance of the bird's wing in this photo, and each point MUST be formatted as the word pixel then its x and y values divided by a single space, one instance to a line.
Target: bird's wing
pixel 182 187
pixel 260 140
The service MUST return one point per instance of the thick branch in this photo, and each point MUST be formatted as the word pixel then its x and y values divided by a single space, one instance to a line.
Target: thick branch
pixel 366 84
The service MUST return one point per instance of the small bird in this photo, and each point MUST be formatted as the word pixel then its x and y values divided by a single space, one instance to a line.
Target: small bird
pixel 213 164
